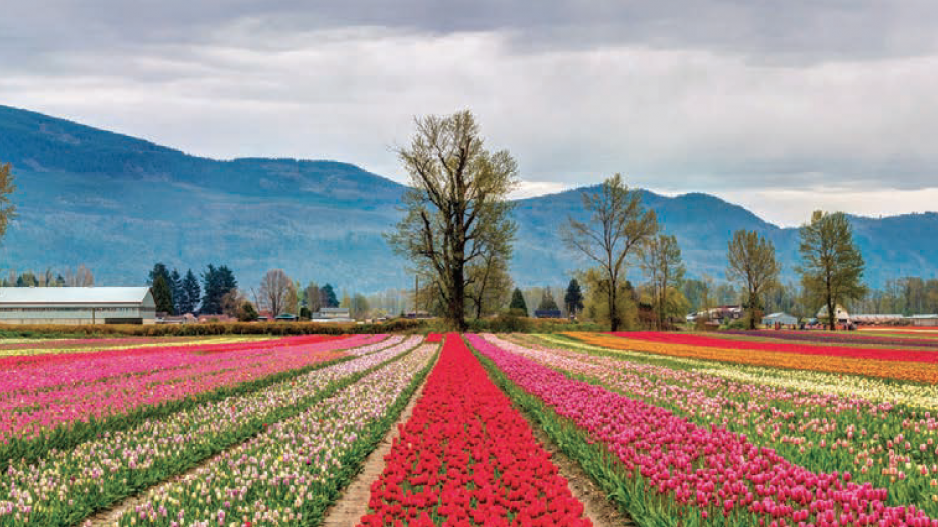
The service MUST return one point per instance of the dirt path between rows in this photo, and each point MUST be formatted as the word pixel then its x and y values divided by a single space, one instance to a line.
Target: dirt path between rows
pixel 601 511
pixel 110 516
pixel 353 504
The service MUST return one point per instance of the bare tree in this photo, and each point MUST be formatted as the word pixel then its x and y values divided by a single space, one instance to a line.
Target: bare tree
pixel 661 260
pixel 457 204
pixel 752 263
pixel 489 283
pixel 275 290
pixel 80 277
pixel 313 298
pixel 232 302
pixel 618 224
pixel 7 209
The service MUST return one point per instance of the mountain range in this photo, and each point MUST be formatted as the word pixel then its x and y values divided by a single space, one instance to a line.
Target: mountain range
pixel 117 204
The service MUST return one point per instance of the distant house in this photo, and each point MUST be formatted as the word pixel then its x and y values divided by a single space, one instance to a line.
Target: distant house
pixel 77 305
pixel 286 317
pixel 547 313
pixel 783 319
pixel 188 318
pixel 333 314
pixel 717 315
pixel 924 320
pixel 843 317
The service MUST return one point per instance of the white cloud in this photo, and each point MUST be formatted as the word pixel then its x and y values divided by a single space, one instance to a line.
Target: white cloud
pixel 531 189
pixel 791 208
pixel 683 119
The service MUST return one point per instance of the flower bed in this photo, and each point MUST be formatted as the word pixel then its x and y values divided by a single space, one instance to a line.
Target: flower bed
pixel 291 472
pixel 466 457
pixel 827 432
pixel 697 473
pixel 904 355
pixel 36 400
pixel 837 338
pixel 65 486
pixel 908 371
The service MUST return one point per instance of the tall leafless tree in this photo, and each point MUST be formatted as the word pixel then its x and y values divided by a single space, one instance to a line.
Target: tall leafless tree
pixel 618 224
pixel 275 290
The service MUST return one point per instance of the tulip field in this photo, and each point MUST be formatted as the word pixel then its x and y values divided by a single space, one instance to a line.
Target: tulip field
pixel 766 428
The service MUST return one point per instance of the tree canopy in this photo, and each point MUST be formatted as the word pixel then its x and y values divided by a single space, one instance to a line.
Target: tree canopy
pixel 456 209
pixel 752 264
pixel 618 224
pixel 216 281
pixel 831 263
pixel 661 261
pixel 7 209
pixel 573 299
pixel 162 295
pixel 518 305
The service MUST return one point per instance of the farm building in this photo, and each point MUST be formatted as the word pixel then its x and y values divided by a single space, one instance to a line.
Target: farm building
pixel 878 318
pixel 779 318
pixel 333 314
pixel 924 320
pixel 77 305
pixel 843 317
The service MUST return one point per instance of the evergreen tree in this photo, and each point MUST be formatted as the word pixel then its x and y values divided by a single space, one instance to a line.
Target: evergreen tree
pixel 329 297
pixel 191 293
pixel 162 295
pixel 517 303
pixel 217 281
pixel 247 313
pixel 547 301
pixel 27 279
pixel 175 283
pixel 159 269
pixel 573 300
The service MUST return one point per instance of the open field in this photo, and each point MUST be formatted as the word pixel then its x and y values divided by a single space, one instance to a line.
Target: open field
pixel 671 429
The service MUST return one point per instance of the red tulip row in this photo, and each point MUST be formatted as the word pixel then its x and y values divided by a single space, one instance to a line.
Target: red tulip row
pixel 466 457
pixel 903 355
pixel 705 472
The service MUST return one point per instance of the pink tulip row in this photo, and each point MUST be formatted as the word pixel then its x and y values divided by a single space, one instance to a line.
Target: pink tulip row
pixel 879 442
pixel 174 376
pixel 702 470
pixel 84 368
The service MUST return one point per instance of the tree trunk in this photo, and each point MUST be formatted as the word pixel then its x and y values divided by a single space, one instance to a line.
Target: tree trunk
pixel 613 313
pixel 457 301
pixel 752 311
pixel 831 315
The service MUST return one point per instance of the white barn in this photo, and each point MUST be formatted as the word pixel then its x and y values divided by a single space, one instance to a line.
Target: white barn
pixel 77 305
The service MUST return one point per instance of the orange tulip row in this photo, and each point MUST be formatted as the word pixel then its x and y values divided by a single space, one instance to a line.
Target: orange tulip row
pixel 907 371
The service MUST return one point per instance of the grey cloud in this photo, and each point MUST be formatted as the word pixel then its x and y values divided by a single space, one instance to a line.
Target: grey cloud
pixel 793 30
pixel 694 95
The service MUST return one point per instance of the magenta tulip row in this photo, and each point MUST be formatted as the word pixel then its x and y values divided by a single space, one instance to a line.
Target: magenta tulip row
pixel 708 470
pixel 27 412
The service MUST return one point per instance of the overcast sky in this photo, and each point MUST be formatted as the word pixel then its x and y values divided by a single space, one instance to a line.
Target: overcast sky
pixel 779 106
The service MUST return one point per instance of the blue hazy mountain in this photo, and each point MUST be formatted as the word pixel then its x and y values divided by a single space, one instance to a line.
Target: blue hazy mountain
pixel 117 204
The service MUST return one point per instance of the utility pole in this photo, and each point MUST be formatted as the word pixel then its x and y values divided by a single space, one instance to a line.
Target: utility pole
pixel 416 293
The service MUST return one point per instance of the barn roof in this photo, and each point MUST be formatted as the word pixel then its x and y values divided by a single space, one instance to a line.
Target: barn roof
pixel 73 295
